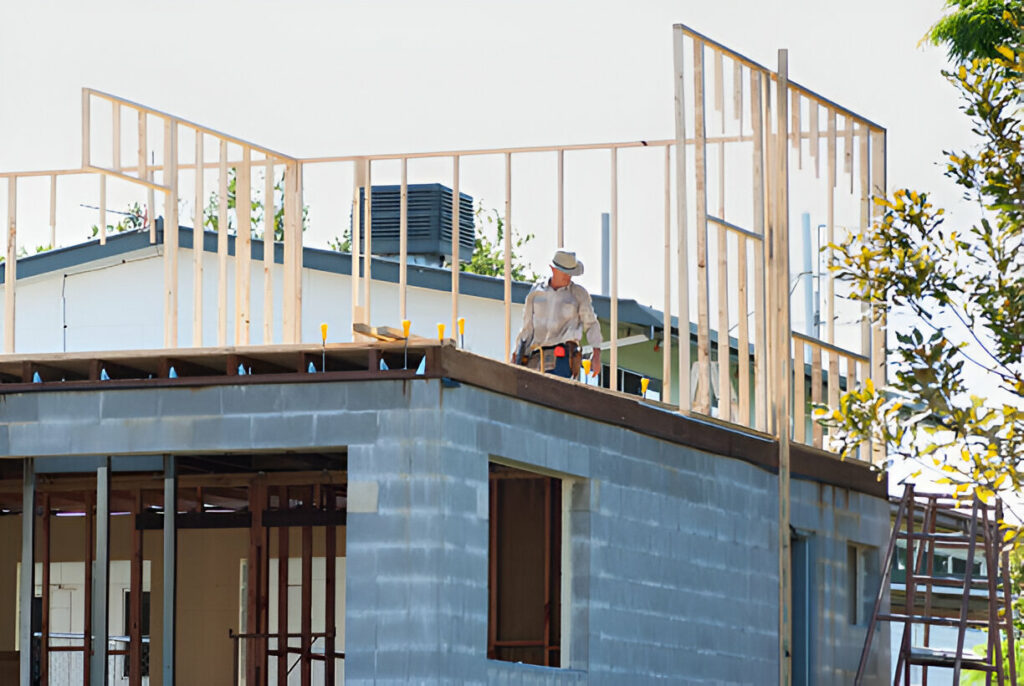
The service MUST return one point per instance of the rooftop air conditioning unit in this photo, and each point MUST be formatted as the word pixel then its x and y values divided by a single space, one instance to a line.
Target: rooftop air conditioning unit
pixel 429 224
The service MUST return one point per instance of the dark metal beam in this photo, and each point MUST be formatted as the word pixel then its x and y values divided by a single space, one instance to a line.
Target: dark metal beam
pixel 170 568
pixel 28 564
pixel 101 579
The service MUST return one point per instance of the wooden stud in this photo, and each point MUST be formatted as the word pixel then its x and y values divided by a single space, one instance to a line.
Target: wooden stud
pixel 719 96
pixel 11 263
pixel 243 248
pixel 682 260
pixel 703 401
pixel 86 128
pixel 666 309
pixel 403 241
pixel 848 149
pixel 103 210
pixel 282 591
pixel 561 199
pixel 292 310
pixel 53 210
pixel 222 247
pixel 198 235
pixel 116 135
pixel 815 141
pixel 358 182
pixel 757 119
pixel 613 327
pixel 816 395
pixel 269 248
pixel 783 337
pixel 742 333
pixel 171 234
pixel 878 329
pixel 368 244
pixel 44 619
pixel 724 383
pixel 830 221
pixel 456 257
pixel 799 391
pixel 507 256
pixel 797 131
pixel 865 223
pixel 135 610
pixel 737 93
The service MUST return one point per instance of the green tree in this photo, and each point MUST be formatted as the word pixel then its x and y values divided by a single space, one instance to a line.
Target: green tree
pixel 131 219
pixel 973 28
pixel 955 297
pixel 257 208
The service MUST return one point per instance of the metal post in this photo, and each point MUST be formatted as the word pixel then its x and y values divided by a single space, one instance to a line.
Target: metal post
pixel 170 566
pixel 28 564
pixel 101 578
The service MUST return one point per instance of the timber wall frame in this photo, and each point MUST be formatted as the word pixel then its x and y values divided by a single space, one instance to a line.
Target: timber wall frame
pixel 765 109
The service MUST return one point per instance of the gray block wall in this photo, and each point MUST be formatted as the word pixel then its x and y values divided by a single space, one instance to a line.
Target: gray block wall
pixel 673 551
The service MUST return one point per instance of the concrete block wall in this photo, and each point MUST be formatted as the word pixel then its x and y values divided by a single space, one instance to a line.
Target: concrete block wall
pixel 673 551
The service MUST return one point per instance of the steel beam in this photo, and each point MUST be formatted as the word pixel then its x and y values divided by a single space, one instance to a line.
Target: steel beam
pixel 101 579
pixel 170 567
pixel 27 590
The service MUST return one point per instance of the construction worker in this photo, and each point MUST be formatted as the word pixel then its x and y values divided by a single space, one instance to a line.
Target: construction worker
pixel 558 312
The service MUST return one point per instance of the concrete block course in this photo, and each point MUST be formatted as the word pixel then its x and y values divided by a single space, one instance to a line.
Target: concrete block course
pixel 673 551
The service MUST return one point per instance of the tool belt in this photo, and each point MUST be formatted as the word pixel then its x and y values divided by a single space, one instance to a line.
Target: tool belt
pixel 545 358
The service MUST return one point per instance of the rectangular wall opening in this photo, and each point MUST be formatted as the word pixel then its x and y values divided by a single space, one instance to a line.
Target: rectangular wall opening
pixel 525 567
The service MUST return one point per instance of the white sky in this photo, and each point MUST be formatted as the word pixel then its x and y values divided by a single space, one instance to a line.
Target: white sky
pixel 312 78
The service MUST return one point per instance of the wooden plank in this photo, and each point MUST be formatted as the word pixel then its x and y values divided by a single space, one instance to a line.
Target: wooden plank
pixel 719 94
pixel 682 260
pixel 292 315
pixel 878 329
pixel 613 327
pixel 11 263
pixel 86 127
pixel 737 93
pixel 797 132
pixel 103 210
pixel 799 391
pixel 507 257
pixel 456 257
pixel 198 233
pixel 171 234
pixel 742 333
pixel 403 244
pixel 44 619
pixel 757 119
pixel 243 248
pixel 115 135
pixel 815 138
pixel 703 400
pixel 865 222
pixel 135 611
pixel 282 589
pixel 724 383
pixel 368 244
pixel 666 300
pixel 53 211
pixel 561 199
pixel 830 222
pixel 848 149
pixel 358 182
pixel 816 394
pixel 783 335
pixel 269 247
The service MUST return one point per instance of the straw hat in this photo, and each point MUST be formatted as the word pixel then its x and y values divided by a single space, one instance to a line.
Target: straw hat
pixel 565 261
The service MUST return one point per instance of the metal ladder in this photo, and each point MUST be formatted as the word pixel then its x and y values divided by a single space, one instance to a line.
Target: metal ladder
pixel 993 590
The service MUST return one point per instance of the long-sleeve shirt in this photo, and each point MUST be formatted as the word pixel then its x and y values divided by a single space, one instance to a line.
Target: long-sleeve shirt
pixel 554 316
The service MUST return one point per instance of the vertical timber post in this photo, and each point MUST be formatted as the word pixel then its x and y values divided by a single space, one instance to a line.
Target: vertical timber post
pixel 682 272
pixel 101 578
pixel 170 567
pixel 782 331
pixel 28 568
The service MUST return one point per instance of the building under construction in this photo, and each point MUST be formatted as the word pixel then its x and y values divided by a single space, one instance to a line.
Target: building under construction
pixel 221 495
